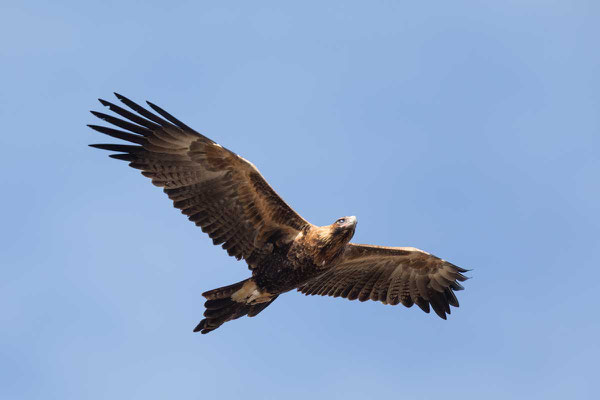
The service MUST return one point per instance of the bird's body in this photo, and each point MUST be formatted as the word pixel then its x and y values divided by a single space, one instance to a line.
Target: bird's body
pixel 229 199
pixel 307 256
pixel 289 265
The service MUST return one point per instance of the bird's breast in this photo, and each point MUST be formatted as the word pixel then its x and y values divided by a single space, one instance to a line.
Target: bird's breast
pixel 286 269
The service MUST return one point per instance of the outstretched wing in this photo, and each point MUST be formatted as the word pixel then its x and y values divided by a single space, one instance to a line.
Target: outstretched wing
pixel 391 275
pixel 220 191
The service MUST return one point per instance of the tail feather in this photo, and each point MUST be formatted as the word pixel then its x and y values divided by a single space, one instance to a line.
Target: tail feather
pixel 255 309
pixel 217 303
pixel 220 307
pixel 224 292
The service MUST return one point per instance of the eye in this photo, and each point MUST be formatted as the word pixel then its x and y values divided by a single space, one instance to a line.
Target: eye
pixel 340 221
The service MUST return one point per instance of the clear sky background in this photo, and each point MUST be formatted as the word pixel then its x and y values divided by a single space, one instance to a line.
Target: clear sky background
pixel 468 129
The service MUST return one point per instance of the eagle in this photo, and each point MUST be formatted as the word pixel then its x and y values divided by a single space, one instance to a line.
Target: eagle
pixel 228 198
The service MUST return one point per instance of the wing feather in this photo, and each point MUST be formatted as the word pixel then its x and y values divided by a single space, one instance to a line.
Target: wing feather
pixel 392 275
pixel 222 193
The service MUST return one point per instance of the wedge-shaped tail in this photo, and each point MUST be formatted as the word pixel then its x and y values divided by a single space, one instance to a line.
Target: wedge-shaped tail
pixel 228 303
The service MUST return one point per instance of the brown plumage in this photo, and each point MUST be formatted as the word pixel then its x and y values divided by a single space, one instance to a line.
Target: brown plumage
pixel 227 197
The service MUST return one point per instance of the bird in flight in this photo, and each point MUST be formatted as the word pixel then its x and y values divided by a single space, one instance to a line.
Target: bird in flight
pixel 227 197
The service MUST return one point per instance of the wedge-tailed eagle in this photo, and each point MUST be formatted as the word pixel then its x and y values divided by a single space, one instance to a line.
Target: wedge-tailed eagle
pixel 227 197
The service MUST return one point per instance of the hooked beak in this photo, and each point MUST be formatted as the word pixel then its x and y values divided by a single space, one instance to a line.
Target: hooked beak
pixel 352 221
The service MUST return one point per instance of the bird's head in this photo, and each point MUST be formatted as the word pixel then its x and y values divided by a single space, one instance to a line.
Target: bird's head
pixel 337 234
pixel 344 227
pixel 329 241
pixel 342 230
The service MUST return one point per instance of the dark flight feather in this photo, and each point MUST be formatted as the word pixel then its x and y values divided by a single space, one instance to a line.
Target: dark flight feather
pixel 391 275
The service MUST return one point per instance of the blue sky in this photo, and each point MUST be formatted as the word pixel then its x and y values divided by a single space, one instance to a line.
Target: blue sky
pixel 470 130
